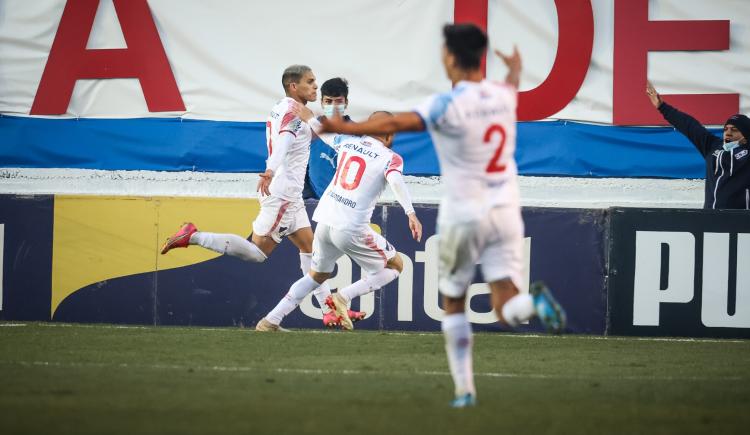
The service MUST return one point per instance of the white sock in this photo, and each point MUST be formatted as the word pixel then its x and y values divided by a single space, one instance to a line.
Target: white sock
pixel 458 346
pixel 230 244
pixel 321 293
pixel 519 308
pixel 291 300
pixel 368 284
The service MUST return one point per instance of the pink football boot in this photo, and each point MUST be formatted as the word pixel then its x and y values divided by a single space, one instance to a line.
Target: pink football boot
pixel 331 320
pixel 180 239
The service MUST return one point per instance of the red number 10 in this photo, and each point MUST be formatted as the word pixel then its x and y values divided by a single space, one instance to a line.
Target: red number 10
pixel 344 169
pixel 494 164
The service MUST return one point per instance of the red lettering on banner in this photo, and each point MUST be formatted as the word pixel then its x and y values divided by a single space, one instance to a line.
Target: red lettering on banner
pixel 475 12
pixel 575 42
pixel 144 59
pixel 575 20
pixel 635 37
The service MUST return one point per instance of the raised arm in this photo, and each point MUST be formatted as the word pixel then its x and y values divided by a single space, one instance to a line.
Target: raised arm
pixel 701 138
pixel 514 64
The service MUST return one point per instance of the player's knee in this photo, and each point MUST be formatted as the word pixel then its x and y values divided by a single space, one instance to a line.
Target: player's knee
pixel 395 263
pixel 454 305
pixel 319 277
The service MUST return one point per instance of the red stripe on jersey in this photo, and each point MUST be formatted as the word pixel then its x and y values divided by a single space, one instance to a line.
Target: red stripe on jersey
pixel 370 242
pixel 270 138
pixel 288 117
pixel 282 210
pixel 396 164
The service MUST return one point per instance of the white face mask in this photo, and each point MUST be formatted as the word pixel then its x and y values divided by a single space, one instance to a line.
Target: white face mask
pixel 328 110
pixel 729 146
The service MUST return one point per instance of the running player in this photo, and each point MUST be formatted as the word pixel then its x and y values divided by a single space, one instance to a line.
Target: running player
pixel 282 210
pixel 364 165
pixel 473 128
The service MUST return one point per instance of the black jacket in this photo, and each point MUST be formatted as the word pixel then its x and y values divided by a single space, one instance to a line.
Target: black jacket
pixel 727 172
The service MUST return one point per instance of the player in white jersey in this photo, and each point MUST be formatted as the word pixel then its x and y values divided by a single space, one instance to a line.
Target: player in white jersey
pixel 365 165
pixel 473 128
pixel 282 210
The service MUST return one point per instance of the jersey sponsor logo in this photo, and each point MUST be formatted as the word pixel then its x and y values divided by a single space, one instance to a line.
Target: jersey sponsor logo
pixel 343 200
pixel 740 154
pixel 361 150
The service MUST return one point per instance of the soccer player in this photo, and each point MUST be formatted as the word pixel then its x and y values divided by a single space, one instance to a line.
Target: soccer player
pixel 473 127
pixel 365 165
pixel 282 210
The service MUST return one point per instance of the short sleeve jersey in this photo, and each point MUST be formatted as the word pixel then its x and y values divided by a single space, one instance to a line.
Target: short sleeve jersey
pixel 363 163
pixel 289 179
pixel 473 128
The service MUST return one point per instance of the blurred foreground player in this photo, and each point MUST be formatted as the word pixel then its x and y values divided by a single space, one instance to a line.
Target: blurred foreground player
pixel 365 165
pixel 282 210
pixel 473 128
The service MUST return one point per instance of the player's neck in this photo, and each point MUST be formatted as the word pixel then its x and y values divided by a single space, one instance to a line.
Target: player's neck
pixel 297 99
pixel 474 75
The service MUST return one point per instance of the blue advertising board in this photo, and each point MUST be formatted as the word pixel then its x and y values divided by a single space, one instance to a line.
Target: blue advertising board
pixel 563 247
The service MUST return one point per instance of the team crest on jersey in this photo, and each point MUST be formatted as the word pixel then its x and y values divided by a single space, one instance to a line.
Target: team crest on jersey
pixel 740 154
pixel 295 125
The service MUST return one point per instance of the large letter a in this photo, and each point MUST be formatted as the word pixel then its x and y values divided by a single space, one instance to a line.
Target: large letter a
pixel 144 59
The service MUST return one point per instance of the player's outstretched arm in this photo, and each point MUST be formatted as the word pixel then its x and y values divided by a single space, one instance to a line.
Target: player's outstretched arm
pixel 514 64
pixel 415 226
pixel 396 181
pixel 305 114
pixel 407 121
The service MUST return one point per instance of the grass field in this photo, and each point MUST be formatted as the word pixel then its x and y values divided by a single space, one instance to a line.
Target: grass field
pixel 87 379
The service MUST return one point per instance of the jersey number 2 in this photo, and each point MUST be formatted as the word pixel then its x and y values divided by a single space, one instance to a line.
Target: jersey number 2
pixel 343 168
pixel 494 164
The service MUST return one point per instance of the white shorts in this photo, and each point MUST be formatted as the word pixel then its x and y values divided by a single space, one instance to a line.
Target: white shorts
pixel 367 248
pixel 279 217
pixel 496 242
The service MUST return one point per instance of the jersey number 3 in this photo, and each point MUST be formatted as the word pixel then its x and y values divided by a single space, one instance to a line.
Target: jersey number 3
pixel 343 168
pixel 494 164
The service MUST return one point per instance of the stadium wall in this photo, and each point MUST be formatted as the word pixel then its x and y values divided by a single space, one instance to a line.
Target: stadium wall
pixel 95 259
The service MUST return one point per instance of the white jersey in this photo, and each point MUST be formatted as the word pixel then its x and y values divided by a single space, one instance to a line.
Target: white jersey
pixel 363 163
pixel 473 128
pixel 289 177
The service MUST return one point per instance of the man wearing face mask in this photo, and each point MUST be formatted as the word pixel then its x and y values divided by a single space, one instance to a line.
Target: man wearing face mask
pixel 322 165
pixel 727 159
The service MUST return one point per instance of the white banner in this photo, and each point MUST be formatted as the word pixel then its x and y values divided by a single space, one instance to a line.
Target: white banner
pixel 227 56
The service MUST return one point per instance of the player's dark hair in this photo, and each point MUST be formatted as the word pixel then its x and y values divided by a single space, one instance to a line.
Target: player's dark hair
pixel 466 42
pixel 293 74
pixel 335 87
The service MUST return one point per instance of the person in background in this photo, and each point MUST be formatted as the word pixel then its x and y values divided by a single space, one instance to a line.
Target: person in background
pixel 727 159
pixel 322 165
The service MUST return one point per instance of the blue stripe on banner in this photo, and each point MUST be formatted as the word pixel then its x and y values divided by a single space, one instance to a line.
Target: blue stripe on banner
pixel 555 148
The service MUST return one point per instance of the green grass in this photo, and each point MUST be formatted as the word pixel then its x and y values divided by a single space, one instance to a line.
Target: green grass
pixel 85 379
